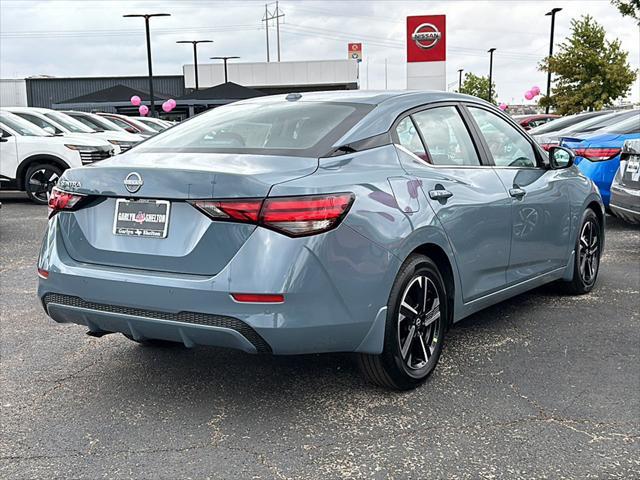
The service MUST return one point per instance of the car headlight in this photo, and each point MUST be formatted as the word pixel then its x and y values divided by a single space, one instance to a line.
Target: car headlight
pixel 82 148
pixel 122 143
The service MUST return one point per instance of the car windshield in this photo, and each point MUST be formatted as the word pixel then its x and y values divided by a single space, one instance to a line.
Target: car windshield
pixel 95 122
pixel 69 123
pixel 286 128
pixel 151 124
pixel 21 127
pixel 562 123
pixel 625 127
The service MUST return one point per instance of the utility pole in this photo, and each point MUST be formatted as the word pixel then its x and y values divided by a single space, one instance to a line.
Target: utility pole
pixel 491 50
pixel 385 74
pixel 276 15
pixel 195 54
pixel 146 17
pixel 460 79
pixel 224 59
pixel 552 14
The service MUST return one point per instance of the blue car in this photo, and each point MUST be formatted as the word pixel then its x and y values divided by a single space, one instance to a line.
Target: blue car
pixel 598 155
pixel 364 222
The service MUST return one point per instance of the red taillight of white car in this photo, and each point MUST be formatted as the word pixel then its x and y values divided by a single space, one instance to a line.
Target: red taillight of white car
pixel 293 216
pixel 597 154
pixel 60 200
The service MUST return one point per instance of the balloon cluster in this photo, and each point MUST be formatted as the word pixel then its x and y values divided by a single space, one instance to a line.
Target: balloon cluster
pixel 531 94
pixel 144 110
pixel 503 106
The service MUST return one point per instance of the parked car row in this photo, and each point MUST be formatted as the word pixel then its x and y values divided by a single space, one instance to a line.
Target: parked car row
pixel 38 144
pixel 598 140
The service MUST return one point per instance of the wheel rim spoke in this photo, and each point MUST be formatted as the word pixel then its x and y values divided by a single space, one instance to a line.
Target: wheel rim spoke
pixel 408 341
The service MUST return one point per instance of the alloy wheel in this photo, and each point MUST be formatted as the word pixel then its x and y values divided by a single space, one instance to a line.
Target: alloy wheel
pixel 589 252
pixel 419 324
pixel 41 182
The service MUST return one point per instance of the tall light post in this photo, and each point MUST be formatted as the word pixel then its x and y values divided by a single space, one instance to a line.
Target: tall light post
pixel 491 50
pixel 195 54
pixel 552 14
pixel 460 79
pixel 146 17
pixel 226 76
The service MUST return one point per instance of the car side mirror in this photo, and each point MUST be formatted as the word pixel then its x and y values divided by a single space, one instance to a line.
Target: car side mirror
pixel 561 157
pixel 4 139
pixel 49 130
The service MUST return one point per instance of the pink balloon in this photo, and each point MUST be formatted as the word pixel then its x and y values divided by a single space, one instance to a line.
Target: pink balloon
pixel 529 95
pixel 135 100
pixel 143 109
pixel 502 106
pixel 535 90
pixel 172 102
pixel 166 107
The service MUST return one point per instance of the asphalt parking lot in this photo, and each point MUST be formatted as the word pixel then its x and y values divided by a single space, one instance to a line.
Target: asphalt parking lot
pixel 542 386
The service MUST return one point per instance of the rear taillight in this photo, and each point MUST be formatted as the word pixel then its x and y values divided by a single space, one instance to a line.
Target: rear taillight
pixel 547 146
pixel 293 216
pixel 597 154
pixel 60 200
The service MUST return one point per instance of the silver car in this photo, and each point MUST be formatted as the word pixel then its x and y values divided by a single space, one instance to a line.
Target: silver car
pixel 364 222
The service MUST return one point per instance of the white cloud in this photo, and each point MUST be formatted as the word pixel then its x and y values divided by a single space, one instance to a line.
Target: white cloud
pixel 70 38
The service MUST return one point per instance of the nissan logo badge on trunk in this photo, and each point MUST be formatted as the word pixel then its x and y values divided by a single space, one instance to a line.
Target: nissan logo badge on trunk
pixel 426 36
pixel 133 182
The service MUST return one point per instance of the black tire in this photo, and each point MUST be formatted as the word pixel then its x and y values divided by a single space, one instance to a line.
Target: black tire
pixel 39 181
pixel 392 369
pixel 153 342
pixel 587 255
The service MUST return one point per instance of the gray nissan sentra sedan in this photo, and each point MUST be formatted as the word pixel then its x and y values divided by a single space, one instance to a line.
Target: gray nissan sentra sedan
pixel 363 222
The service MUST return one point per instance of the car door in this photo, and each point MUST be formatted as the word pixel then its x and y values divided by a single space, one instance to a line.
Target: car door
pixel 539 197
pixel 435 145
pixel 8 155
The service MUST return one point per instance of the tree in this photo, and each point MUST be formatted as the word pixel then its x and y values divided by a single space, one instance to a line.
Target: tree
pixel 478 87
pixel 630 8
pixel 590 71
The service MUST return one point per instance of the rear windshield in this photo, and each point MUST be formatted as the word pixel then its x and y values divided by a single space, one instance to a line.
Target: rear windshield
pixel 630 125
pixel 283 128
pixel 564 122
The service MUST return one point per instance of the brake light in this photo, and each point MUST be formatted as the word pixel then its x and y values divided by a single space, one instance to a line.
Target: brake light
pixel 547 146
pixel 61 200
pixel 597 154
pixel 293 216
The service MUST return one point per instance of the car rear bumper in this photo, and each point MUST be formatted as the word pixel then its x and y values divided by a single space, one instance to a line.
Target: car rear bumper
pixel 335 287
pixel 625 203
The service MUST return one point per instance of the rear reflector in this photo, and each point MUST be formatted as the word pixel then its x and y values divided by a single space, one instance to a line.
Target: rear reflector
pixel 597 154
pixel 60 200
pixel 43 274
pixel 293 216
pixel 258 297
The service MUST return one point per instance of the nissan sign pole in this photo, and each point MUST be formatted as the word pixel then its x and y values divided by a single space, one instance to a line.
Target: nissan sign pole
pixel 426 52
pixel 552 14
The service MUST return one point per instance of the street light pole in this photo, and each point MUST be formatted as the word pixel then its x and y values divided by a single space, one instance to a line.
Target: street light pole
pixel 552 14
pixel 491 50
pixel 224 59
pixel 195 55
pixel 146 17
pixel 460 79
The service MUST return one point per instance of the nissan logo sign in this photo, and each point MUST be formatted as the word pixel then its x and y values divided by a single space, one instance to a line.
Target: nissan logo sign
pixel 133 182
pixel 426 36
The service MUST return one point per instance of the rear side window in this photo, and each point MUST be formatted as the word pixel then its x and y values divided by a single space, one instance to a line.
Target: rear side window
pixel 287 128
pixel 410 139
pixel 507 145
pixel 446 137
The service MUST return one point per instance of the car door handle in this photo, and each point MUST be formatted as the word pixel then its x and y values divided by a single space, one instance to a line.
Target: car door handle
pixel 517 192
pixel 440 194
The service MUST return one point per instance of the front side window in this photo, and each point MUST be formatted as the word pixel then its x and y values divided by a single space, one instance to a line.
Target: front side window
pixel 446 137
pixel 120 123
pixel 69 123
pixel 287 128
pixel 507 145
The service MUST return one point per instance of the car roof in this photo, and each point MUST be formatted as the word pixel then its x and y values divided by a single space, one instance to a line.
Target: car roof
pixel 370 97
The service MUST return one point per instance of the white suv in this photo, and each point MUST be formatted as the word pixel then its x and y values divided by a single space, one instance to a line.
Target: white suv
pixel 59 123
pixel 32 160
